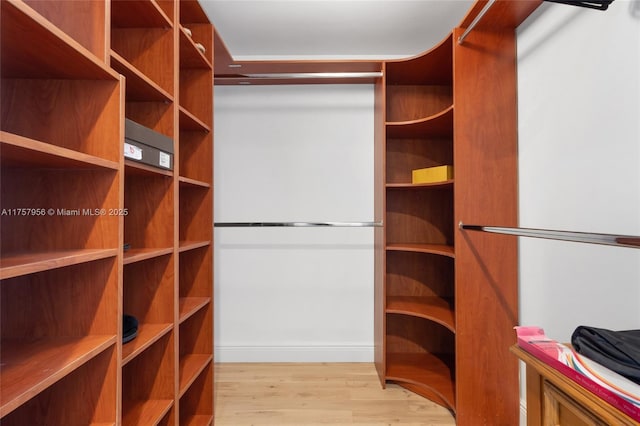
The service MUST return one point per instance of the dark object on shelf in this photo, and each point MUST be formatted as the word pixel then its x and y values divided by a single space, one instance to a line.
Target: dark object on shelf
pixel 147 146
pixel 618 351
pixel 126 246
pixel 129 328
pixel 599 5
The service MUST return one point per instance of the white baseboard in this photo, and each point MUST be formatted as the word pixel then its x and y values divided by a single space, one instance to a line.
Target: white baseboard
pixel 351 353
pixel 523 412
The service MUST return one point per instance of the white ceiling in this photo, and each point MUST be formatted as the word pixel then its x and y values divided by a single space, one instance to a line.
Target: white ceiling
pixel 332 29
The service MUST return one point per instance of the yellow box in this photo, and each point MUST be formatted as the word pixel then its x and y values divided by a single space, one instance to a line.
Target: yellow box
pixel 432 174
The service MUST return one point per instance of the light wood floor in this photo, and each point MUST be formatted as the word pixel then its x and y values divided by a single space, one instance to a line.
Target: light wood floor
pixel 314 394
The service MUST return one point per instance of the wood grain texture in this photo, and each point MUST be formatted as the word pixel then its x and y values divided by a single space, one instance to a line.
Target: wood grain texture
pixel 85 395
pixel 75 114
pixel 196 333
pixel 139 87
pixel 314 394
pixel 541 375
pixel 439 125
pixel 140 14
pixel 419 216
pixel 150 50
pixel 504 14
pixel 196 150
pixel 65 57
pixel 405 155
pixel 485 155
pixel 196 269
pixel 74 301
pixel 150 375
pixel 419 274
pixel 149 222
pixel 196 403
pixel 408 103
pixel 148 290
pixel 65 15
pixel 194 95
pixel 432 308
pixel 196 215
pixel 431 67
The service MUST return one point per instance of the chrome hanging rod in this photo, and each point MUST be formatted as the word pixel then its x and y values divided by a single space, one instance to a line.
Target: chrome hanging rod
pixel 576 237
pixel 295 224
pixel 475 21
pixel 301 75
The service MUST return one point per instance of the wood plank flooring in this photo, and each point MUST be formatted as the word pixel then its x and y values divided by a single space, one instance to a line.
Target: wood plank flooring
pixel 317 394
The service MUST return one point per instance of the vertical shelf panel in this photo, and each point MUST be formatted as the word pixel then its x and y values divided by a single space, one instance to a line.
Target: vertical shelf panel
pixel 485 154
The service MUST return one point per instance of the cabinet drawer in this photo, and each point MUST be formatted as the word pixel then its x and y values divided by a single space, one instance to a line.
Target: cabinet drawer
pixel 561 410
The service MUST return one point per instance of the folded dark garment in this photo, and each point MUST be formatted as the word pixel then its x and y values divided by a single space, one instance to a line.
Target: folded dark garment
pixel 618 351
pixel 129 328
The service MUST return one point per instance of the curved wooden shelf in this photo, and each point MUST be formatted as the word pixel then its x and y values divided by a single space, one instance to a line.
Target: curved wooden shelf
pixel 193 183
pixel 439 249
pixel 148 334
pixel 138 14
pixel 138 255
pixel 139 87
pixel 31 366
pixel 191 305
pixel 65 58
pixel 432 66
pixel 436 125
pixel 188 121
pixel 433 374
pixel 432 308
pixel 20 151
pixel 148 412
pixel 191 366
pixel 435 185
pixel 17 264
pixel 192 245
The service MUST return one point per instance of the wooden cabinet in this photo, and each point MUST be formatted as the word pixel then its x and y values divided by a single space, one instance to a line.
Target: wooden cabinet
pixel 71 73
pixel 555 400
pixel 446 300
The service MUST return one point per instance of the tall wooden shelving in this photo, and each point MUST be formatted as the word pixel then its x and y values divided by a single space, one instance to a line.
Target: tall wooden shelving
pixel 66 281
pixel 446 301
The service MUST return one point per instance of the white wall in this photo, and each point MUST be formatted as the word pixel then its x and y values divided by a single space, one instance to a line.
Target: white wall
pixel 294 153
pixel 579 165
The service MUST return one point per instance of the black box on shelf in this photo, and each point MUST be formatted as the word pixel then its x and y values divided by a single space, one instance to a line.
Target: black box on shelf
pixel 147 146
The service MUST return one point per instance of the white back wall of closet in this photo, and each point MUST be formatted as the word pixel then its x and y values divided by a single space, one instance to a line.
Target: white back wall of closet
pixel 579 165
pixel 294 153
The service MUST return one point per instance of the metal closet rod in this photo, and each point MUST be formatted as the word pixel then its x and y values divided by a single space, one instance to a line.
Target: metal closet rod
pixel 576 237
pixel 591 4
pixel 302 75
pixel 296 224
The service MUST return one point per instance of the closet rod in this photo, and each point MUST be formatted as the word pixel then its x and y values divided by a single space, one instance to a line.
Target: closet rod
pixel 576 237
pixel 294 224
pixel 302 75
pixel 475 21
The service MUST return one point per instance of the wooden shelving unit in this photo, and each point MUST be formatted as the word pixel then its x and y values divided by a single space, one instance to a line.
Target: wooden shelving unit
pixel 446 301
pixel 60 158
pixel 418 342
pixel 70 201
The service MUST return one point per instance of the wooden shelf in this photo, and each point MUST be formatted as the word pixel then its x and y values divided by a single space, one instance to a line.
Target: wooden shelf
pixel 135 168
pixel 148 412
pixel 437 185
pixel 188 121
pixel 20 151
pixel 190 367
pixel 188 182
pixel 65 58
pixel 14 265
pixel 425 370
pixel 138 14
pixel 437 125
pixel 198 420
pixel 435 309
pixel 190 56
pixel 192 245
pixel 148 334
pixel 191 305
pixel 439 249
pixel 139 87
pixel 138 255
pixel 29 367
